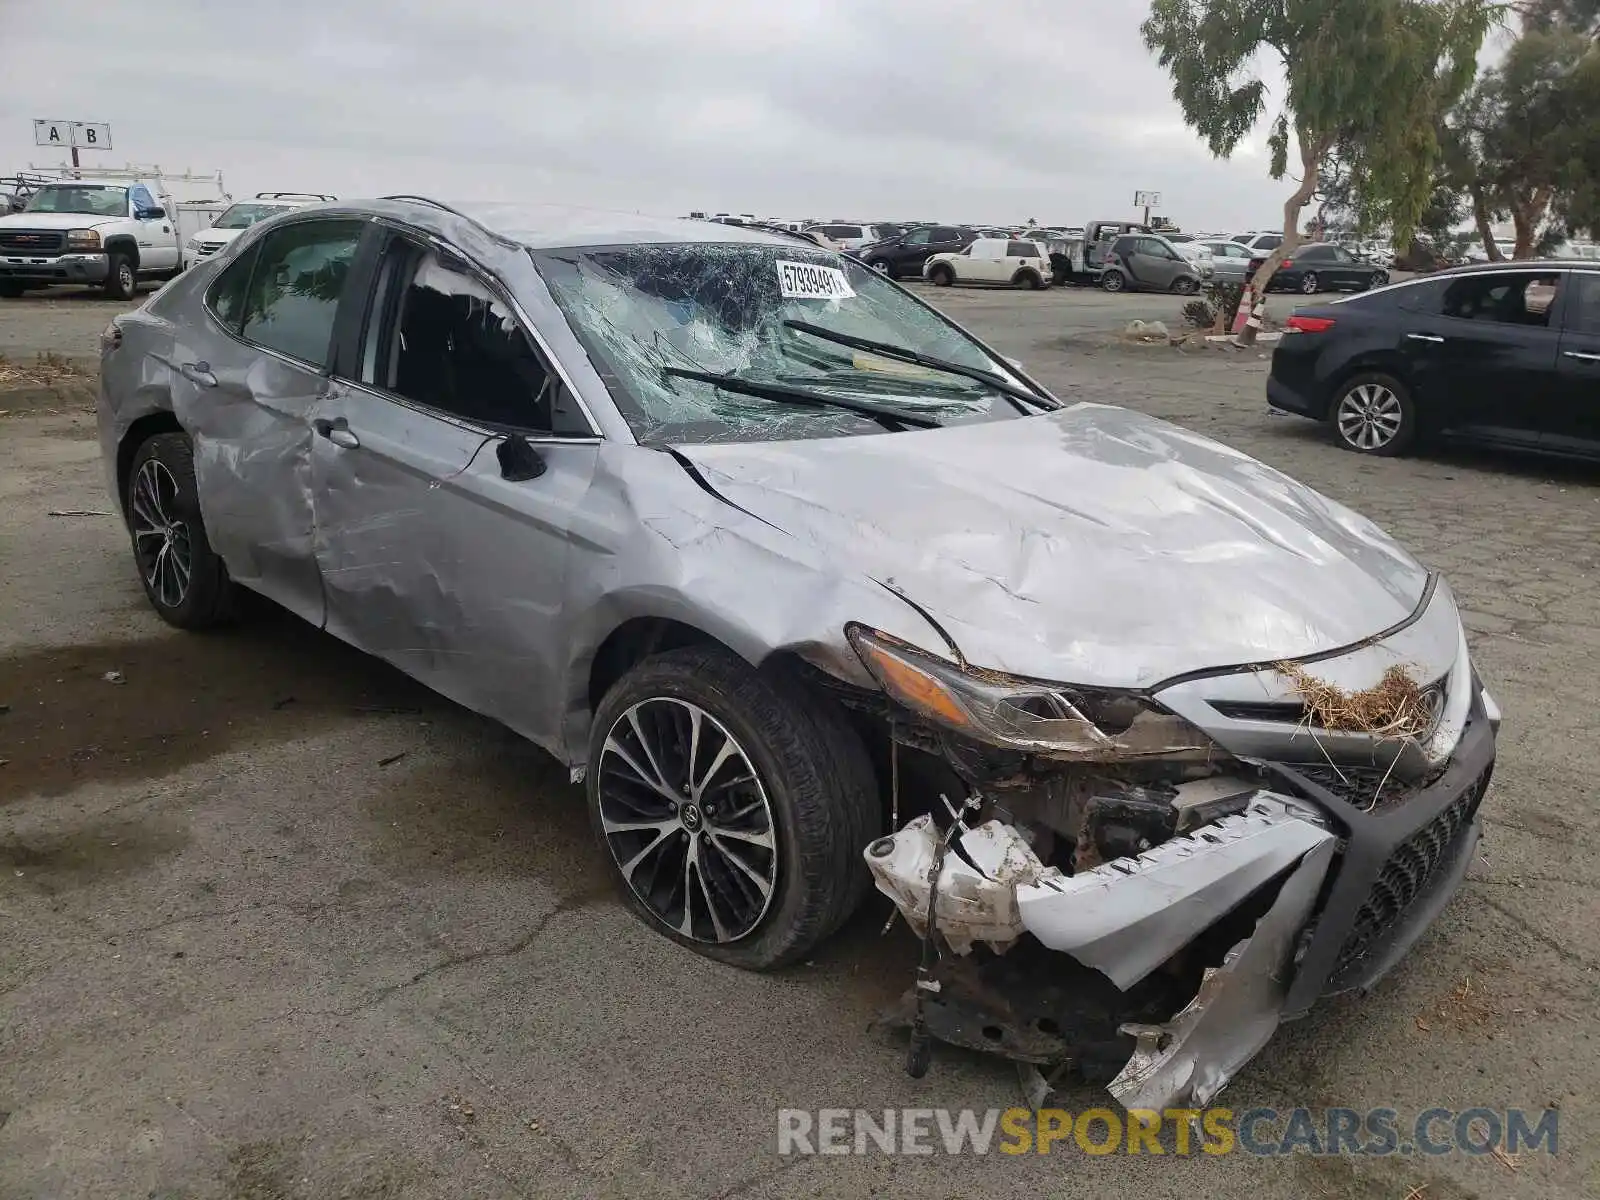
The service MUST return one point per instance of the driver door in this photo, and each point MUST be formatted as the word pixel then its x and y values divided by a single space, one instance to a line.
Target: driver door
pixel 158 245
pixel 436 555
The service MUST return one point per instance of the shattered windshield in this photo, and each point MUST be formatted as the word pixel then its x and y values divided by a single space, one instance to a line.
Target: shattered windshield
pixel 721 309
pixel 92 200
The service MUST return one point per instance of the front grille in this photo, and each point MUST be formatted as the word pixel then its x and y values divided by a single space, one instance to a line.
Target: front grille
pixel 1370 789
pixel 30 241
pixel 203 249
pixel 1407 874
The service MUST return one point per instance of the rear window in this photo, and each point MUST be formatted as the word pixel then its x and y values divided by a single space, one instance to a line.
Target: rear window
pixel 1022 250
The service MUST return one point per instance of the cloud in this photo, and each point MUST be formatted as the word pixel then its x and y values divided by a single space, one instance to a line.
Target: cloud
pixel 938 109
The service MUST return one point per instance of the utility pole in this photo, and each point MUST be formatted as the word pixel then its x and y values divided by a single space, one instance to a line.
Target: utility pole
pixel 76 173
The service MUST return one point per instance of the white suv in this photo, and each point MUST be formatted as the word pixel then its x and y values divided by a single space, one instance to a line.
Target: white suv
pixel 239 217
pixel 1012 261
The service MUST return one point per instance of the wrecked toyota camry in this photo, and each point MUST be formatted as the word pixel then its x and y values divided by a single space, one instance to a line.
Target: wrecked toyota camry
pixel 1151 746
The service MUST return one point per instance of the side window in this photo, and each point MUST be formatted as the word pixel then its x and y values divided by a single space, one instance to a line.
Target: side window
pixel 1022 250
pixel 1583 306
pixel 1503 297
pixel 439 336
pixel 227 293
pixel 1269 243
pixel 918 237
pixel 944 233
pixel 294 291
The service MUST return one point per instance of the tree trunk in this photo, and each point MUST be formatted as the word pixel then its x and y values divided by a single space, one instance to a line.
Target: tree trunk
pixel 1311 155
pixel 1480 213
pixel 1527 215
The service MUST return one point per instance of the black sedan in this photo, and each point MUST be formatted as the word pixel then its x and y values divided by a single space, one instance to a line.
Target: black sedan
pixel 905 253
pixel 1504 354
pixel 1322 267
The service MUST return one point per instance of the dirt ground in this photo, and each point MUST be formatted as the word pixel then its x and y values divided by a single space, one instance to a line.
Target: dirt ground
pixel 281 924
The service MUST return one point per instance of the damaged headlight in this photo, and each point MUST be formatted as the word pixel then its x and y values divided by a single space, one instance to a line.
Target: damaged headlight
pixel 1021 714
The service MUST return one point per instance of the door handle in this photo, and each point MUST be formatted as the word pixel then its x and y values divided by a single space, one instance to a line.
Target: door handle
pixel 1578 355
pixel 1424 337
pixel 338 432
pixel 198 372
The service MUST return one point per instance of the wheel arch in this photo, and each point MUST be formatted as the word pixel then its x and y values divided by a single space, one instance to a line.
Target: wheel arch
pixel 141 431
pixel 123 243
pixel 1022 273
pixel 1371 363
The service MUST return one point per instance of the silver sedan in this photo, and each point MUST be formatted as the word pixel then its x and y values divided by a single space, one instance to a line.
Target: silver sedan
pixel 816 590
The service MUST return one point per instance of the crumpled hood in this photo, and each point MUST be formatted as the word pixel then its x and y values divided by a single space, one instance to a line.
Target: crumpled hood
pixel 1093 545
pixel 27 220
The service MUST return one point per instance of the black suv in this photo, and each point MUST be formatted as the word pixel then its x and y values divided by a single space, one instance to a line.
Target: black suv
pixel 905 253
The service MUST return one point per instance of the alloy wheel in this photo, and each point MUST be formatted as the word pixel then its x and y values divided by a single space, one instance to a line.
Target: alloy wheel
pixel 880 266
pixel 161 539
pixel 1308 285
pixel 1370 416
pixel 687 820
pixel 125 275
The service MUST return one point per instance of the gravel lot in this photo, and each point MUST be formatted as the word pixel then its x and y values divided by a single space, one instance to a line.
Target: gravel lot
pixel 281 924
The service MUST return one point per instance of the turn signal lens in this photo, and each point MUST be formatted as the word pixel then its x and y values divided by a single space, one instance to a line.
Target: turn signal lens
pixel 914 688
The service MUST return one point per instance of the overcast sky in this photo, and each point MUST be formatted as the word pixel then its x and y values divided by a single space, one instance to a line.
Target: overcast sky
pixel 911 109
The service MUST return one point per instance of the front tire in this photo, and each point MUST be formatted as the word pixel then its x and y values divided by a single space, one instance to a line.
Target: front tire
pixel 1372 413
pixel 1186 286
pixel 121 279
pixel 884 267
pixel 942 276
pixel 184 579
pixel 731 805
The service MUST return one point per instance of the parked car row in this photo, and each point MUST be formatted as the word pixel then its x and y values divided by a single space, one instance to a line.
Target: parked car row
pixel 117 232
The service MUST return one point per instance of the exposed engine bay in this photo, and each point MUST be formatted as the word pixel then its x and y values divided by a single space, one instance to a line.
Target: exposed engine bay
pixel 1140 920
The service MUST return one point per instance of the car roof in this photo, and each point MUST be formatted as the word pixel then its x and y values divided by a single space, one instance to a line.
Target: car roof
pixel 553 226
pixel 1530 264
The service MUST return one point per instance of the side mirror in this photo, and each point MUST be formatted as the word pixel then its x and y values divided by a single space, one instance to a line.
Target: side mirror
pixel 519 461
pixel 151 214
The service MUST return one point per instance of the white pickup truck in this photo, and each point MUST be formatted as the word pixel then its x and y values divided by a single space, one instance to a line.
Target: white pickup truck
pixel 89 231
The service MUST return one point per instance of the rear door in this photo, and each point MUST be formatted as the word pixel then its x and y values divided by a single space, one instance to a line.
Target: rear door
pixel 1484 354
pixel 438 556
pixel 246 383
pixel 912 250
pixel 1575 419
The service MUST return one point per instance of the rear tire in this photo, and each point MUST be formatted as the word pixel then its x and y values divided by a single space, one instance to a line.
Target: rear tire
pixel 1112 281
pixel 810 790
pixel 1186 286
pixel 1026 280
pixel 121 279
pixel 184 579
pixel 1372 413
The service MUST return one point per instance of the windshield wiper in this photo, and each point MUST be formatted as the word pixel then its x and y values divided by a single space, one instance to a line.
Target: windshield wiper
pixel 906 354
pixel 803 396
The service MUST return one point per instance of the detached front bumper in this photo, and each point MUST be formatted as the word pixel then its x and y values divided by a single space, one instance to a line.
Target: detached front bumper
pixel 1317 894
pixel 55 268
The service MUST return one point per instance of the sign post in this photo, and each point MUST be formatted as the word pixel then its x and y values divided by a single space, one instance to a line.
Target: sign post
pixel 1147 201
pixel 73 135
